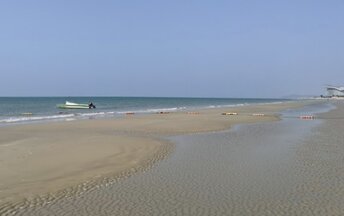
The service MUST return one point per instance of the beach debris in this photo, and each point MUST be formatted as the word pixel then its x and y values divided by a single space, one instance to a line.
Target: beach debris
pixel 307 117
pixel 130 113
pixel 258 114
pixel 163 112
pixel 193 113
pixel 229 113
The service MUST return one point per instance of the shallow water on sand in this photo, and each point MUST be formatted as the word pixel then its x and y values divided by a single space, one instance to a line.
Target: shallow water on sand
pixel 249 170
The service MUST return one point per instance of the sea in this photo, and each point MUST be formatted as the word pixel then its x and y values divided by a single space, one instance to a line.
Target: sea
pixel 23 110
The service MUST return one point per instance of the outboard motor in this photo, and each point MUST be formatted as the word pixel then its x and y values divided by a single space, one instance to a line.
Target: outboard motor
pixel 91 106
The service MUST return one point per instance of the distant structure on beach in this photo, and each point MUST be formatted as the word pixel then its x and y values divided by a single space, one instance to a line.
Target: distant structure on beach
pixel 334 91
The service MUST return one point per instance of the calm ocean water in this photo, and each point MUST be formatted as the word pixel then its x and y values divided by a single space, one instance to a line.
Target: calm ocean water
pixel 14 109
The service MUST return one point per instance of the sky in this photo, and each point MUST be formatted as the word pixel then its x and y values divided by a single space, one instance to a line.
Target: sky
pixel 266 49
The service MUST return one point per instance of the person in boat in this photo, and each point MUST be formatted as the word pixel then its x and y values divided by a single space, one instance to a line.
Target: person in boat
pixel 91 105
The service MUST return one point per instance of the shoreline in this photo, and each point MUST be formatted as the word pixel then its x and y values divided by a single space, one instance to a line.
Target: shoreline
pixel 34 114
pixel 60 155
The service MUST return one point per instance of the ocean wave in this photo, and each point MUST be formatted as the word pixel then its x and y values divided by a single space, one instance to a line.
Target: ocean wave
pixel 224 106
pixel 91 114
pixel 34 118
pixel 67 117
pixel 153 110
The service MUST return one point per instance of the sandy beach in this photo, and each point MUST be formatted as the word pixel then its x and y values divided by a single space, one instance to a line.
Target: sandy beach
pixel 286 167
pixel 45 158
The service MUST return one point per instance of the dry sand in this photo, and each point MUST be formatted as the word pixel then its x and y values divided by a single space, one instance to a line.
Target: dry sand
pixel 49 157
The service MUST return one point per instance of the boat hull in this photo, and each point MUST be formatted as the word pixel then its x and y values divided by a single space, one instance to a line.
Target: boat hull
pixel 64 106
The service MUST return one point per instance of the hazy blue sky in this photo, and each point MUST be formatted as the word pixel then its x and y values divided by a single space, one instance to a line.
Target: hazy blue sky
pixel 170 48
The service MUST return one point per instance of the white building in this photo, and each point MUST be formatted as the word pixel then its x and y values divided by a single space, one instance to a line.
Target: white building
pixel 334 91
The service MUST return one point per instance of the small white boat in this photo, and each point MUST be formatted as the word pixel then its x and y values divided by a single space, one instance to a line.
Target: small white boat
pixel 71 105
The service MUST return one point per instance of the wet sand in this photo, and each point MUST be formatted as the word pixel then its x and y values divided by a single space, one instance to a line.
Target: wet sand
pixel 320 163
pixel 54 158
